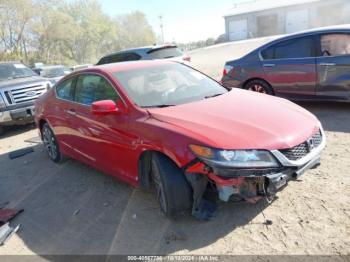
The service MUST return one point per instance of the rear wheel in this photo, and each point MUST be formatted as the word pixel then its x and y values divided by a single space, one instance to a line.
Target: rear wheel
pixel 173 191
pixel 51 144
pixel 259 86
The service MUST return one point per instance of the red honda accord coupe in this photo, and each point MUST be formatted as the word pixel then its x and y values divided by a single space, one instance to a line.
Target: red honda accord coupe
pixel 164 125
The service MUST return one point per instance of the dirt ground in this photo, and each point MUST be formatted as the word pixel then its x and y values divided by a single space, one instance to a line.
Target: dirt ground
pixel 73 209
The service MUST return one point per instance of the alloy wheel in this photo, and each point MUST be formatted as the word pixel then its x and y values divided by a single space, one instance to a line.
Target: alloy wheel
pixel 50 143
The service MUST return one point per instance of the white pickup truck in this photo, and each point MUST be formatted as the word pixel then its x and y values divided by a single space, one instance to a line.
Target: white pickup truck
pixel 19 88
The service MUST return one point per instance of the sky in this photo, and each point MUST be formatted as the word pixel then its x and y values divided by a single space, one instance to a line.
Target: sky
pixel 183 21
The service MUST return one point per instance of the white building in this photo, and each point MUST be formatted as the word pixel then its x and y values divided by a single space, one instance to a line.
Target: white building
pixel 258 18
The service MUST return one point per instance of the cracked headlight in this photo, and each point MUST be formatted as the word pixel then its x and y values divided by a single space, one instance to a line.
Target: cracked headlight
pixel 2 102
pixel 235 158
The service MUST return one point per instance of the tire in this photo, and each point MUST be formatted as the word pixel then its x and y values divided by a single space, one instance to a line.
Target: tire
pixel 173 191
pixel 259 86
pixel 50 144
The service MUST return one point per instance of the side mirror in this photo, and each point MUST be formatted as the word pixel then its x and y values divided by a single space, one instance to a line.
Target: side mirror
pixel 104 107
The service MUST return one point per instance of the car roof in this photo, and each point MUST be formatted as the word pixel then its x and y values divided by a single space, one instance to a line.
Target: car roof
pixel 142 49
pixel 319 30
pixel 125 66
pixel 52 66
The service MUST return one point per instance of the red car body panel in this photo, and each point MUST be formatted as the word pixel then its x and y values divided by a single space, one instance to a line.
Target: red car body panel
pixel 114 143
pixel 242 120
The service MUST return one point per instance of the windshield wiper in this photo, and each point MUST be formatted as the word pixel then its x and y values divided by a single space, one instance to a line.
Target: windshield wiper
pixel 214 95
pixel 159 106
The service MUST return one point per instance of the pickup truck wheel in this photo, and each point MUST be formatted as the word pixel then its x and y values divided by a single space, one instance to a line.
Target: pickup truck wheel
pixel 259 86
pixel 173 191
pixel 51 144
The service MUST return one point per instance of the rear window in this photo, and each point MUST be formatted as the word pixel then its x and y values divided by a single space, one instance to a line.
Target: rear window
pixel 294 48
pixel 163 53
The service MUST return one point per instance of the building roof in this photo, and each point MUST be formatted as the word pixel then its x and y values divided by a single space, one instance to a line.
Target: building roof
pixel 260 5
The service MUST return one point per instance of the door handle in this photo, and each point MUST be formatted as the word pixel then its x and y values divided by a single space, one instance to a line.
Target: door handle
pixel 269 65
pixel 71 112
pixel 327 64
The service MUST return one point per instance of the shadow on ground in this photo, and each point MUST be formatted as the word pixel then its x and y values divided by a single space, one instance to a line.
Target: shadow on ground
pixel 16 130
pixel 73 209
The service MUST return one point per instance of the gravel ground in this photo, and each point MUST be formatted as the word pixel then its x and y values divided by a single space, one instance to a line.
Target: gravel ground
pixel 73 209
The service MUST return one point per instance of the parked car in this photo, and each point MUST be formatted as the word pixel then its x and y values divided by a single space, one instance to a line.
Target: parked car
pixel 53 73
pixel 165 124
pixel 312 65
pixel 19 87
pixel 170 52
pixel 79 67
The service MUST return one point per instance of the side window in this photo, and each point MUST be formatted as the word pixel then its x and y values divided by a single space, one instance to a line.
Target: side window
pixel 132 57
pixel 91 88
pixel 103 61
pixel 116 58
pixel 295 48
pixel 119 58
pixel 268 53
pixel 66 89
pixel 335 44
pixel 125 57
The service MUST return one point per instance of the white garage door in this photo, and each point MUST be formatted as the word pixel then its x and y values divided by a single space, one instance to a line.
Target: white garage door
pixel 237 30
pixel 297 21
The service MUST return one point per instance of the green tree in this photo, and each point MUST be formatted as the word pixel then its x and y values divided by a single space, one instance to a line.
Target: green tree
pixel 15 17
pixel 135 30
pixel 67 32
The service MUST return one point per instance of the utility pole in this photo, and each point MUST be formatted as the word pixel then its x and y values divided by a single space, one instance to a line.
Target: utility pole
pixel 161 27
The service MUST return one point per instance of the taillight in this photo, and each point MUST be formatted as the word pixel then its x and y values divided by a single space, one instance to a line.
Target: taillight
pixel 227 69
pixel 186 58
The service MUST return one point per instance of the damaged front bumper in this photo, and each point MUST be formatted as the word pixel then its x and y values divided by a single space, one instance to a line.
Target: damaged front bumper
pixel 16 115
pixel 253 187
pixel 248 184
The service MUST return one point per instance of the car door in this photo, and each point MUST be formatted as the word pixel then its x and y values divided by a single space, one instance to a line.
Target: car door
pixel 61 117
pixel 101 140
pixel 333 66
pixel 290 67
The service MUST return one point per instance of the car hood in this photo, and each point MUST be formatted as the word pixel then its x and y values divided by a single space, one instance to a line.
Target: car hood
pixel 242 119
pixel 22 81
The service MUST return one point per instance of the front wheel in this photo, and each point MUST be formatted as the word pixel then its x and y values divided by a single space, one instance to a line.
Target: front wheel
pixel 50 143
pixel 173 191
pixel 259 86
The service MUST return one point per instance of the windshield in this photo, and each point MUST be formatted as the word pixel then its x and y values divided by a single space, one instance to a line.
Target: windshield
pixel 55 72
pixel 167 85
pixel 12 71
